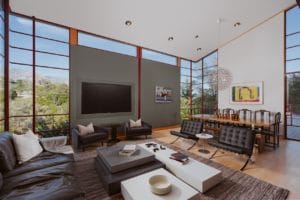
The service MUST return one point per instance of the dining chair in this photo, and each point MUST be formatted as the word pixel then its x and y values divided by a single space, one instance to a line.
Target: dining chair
pixel 245 114
pixel 228 111
pixel 273 132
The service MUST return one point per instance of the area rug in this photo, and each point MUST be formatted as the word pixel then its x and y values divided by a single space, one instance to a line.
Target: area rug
pixel 236 185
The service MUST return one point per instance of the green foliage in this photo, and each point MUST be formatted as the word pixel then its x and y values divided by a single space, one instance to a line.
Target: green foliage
pixel 51 98
pixel 294 92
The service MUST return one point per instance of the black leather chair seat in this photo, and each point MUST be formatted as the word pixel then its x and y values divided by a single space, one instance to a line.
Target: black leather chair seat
pixel 89 138
pixel 225 146
pixel 184 135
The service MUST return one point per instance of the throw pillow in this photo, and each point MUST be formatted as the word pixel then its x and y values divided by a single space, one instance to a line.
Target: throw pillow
pixel 137 123
pixel 27 146
pixel 84 130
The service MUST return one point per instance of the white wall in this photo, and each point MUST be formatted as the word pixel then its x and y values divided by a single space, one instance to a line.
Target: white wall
pixel 257 56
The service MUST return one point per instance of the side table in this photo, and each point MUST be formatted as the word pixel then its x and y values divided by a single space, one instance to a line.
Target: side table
pixel 204 137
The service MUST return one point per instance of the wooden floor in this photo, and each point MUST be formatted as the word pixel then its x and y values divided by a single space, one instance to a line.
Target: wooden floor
pixel 280 167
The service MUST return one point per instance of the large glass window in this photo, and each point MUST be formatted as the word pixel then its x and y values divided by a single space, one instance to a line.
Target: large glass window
pixel 210 83
pixel 292 67
pixel 199 86
pixel 20 73
pixel 2 44
pixel 40 73
pixel 159 57
pixel 93 41
pixel 185 88
pixel 52 79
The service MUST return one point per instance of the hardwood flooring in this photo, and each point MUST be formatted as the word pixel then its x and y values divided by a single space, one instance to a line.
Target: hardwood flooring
pixel 280 167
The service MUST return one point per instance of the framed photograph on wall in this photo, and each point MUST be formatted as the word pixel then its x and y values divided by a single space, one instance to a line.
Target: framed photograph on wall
pixel 246 93
pixel 163 94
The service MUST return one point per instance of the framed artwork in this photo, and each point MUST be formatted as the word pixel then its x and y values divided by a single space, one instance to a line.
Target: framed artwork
pixel 246 93
pixel 163 94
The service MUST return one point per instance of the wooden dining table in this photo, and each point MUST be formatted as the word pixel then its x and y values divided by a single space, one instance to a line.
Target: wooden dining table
pixel 241 122
pixel 255 125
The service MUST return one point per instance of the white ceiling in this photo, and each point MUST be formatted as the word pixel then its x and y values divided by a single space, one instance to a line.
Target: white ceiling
pixel 155 20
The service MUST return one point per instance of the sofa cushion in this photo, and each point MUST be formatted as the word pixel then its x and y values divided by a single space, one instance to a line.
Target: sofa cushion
pixel 44 160
pixel 8 158
pixel 27 146
pixel 1 180
pixel 55 182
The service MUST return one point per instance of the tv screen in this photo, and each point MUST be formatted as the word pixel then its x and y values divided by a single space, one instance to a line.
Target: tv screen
pixel 105 98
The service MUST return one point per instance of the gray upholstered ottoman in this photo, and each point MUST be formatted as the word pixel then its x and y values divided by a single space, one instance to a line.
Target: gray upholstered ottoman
pixel 113 168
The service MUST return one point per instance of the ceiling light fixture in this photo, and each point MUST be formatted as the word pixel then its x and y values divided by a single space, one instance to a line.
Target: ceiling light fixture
pixel 196 36
pixel 237 24
pixel 199 49
pixel 170 38
pixel 128 23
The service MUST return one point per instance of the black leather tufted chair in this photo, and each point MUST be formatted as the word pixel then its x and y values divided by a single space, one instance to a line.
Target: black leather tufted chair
pixel 235 139
pixel 188 130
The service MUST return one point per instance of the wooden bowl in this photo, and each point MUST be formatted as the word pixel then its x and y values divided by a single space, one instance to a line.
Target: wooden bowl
pixel 160 184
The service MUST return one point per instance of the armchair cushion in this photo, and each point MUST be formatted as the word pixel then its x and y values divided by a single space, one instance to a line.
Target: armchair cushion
pixel 137 123
pixel 84 130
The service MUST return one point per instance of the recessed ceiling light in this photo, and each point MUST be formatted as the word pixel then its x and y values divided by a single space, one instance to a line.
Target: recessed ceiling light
pixel 196 36
pixel 128 23
pixel 170 38
pixel 237 24
pixel 199 49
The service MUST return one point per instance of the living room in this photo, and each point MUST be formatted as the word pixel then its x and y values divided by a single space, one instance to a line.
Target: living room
pixel 149 100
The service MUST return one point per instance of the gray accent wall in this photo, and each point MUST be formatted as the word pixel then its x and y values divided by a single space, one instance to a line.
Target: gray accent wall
pixel 160 74
pixel 93 65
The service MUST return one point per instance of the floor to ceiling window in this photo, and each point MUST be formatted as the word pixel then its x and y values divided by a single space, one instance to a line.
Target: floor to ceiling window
pixel 210 83
pixel 1 66
pixel 185 88
pixel 199 86
pixel 292 68
pixel 39 77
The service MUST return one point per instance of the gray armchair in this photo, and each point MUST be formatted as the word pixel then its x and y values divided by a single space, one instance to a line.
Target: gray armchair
pixel 145 129
pixel 82 141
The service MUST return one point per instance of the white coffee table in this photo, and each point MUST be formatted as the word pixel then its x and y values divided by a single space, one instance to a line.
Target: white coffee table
pixel 138 188
pixel 200 176
pixel 204 137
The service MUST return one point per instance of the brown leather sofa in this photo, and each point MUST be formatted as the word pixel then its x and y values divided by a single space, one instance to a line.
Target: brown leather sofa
pixel 47 176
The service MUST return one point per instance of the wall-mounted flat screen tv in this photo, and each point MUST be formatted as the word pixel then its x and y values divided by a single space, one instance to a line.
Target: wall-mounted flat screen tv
pixel 105 98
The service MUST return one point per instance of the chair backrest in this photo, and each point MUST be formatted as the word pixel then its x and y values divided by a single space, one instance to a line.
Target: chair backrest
pixel 191 127
pixel 245 114
pixel 228 111
pixel 262 116
pixel 240 137
pixel 277 122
